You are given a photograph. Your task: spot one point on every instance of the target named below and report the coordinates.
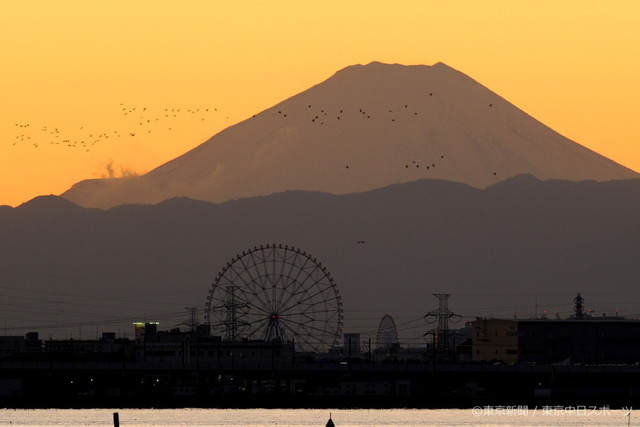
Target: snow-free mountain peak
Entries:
(366, 127)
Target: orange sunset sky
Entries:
(72, 69)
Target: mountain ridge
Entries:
(365, 127)
(492, 249)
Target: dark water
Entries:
(480, 416)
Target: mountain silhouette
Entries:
(364, 128)
(515, 248)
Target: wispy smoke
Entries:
(110, 170)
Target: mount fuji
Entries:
(366, 127)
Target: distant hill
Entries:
(513, 248)
(364, 128)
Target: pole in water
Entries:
(330, 422)
(116, 420)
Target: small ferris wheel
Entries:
(276, 293)
(387, 333)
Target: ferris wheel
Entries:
(276, 292)
(387, 336)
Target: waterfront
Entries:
(521, 416)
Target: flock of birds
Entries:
(138, 121)
(323, 116)
(147, 120)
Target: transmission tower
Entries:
(192, 321)
(442, 333)
(232, 323)
(578, 306)
(232, 319)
